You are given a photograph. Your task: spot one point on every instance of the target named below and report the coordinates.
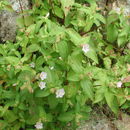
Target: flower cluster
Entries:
(43, 76)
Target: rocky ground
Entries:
(8, 24)
(106, 121)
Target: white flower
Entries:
(60, 93)
(85, 48)
(39, 125)
(15, 84)
(52, 67)
(119, 84)
(43, 75)
(32, 65)
(60, 58)
(42, 85)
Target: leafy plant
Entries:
(68, 57)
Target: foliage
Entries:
(67, 56)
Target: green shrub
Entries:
(67, 56)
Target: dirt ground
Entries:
(105, 120)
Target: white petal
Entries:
(60, 93)
(85, 48)
(43, 75)
(42, 85)
(119, 84)
(52, 67)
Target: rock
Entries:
(8, 19)
(117, 5)
(7, 26)
(98, 121)
(124, 123)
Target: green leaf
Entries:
(8, 94)
(71, 90)
(24, 41)
(63, 49)
(112, 101)
(122, 37)
(75, 61)
(72, 76)
(112, 18)
(87, 88)
(99, 95)
(10, 116)
(28, 20)
(92, 54)
(20, 22)
(89, 24)
(100, 18)
(12, 60)
(26, 75)
(2, 51)
(58, 12)
(74, 36)
(66, 117)
(81, 99)
(112, 33)
(39, 61)
(107, 62)
(42, 93)
(51, 75)
(38, 25)
(91, 2)
(33, 48)
(66, 5)
(2, 60)
(52, 101)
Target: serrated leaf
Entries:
(112, 33)
(87, 88)
(74, 36)
(63, 49)
(12, 60)
(72, 76)
(99, 94)
(75, 61)
(112, 101)
(66, 117)
(33, 48)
